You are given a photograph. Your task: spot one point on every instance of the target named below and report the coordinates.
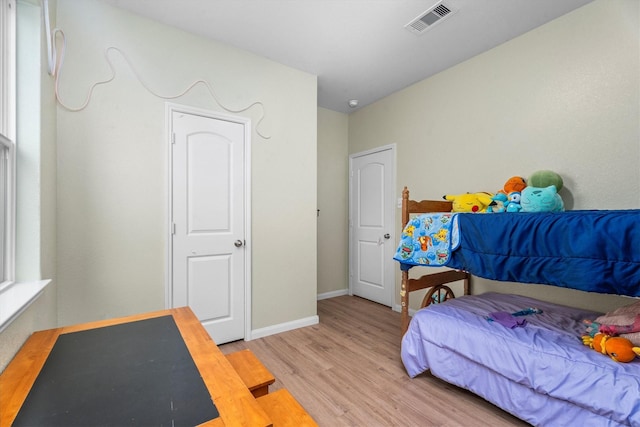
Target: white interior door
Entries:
(208, 214)
(371, 221)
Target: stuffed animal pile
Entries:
(540, 194)
(616, 334)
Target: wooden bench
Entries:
(253, 373)
(284, 410)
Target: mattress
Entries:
(540, 372)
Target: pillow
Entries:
(634, 337)
(626, 315)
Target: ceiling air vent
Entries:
(431, 17)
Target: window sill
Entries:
(15, 298)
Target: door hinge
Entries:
(173, 138)
(173, 228)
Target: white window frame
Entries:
(7, 141)
(14, 297)
(7, 215)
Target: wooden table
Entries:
(234, 401)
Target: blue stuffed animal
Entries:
(513, 204)
(538, 199)
(498, 203)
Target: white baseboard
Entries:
(398, 308)
(295, 324)
(284, 327)
(333, 294)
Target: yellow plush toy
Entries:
(469, 202)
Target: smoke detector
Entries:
(429, 18)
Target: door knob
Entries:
(238, 243)
(387, 236)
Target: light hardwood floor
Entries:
(346, 371)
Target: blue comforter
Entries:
(596, 251)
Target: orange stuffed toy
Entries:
(618, 348)
(515, 183)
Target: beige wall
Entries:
(565, 96)
(333, 189)
(112, 182)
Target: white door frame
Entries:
(392, 147)
(171, 108)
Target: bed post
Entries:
(404, 311)
(405, 207)
(404, 295)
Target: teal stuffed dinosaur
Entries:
(538, 199)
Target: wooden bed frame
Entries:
(439, 291)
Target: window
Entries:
(7, 138)
(14, 297)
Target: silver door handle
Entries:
(238, 243)
(387, 236)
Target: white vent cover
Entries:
(430, 18)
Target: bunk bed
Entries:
(522, 354)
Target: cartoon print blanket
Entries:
(428, 239)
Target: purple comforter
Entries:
(540, 372)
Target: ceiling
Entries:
(359, 49)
